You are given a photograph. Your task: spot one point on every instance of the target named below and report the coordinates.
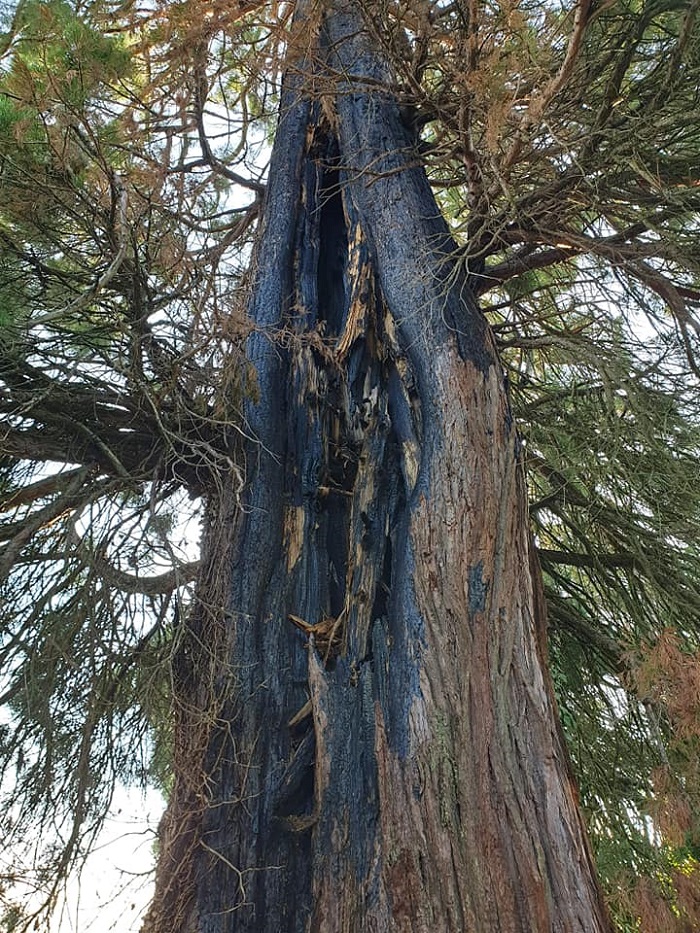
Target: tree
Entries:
(409, 765)
(363, 728)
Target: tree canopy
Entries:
(562, 142)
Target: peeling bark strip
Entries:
(382, 752)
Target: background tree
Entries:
(561, 146)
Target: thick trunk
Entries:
(367, 738)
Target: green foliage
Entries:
(132, 162)
(113, 277)
(608, 408)
(62, 57)
(50, 101)
(13, 303)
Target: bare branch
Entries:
(43, 487)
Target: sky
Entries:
(116, 883)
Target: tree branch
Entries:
(83, 300)
(148, 586)
(584, 631)
(540, 102)
(573, 559)
(43, 487)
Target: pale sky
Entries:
(116, 884)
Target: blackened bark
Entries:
(378, 746)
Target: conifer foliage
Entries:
(139, 213)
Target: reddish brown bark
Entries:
(383, 752)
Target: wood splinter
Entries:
(323, 633)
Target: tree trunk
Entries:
(366, 738)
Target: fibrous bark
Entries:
(367, 738)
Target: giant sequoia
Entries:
(375, 744)
(399, 300)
